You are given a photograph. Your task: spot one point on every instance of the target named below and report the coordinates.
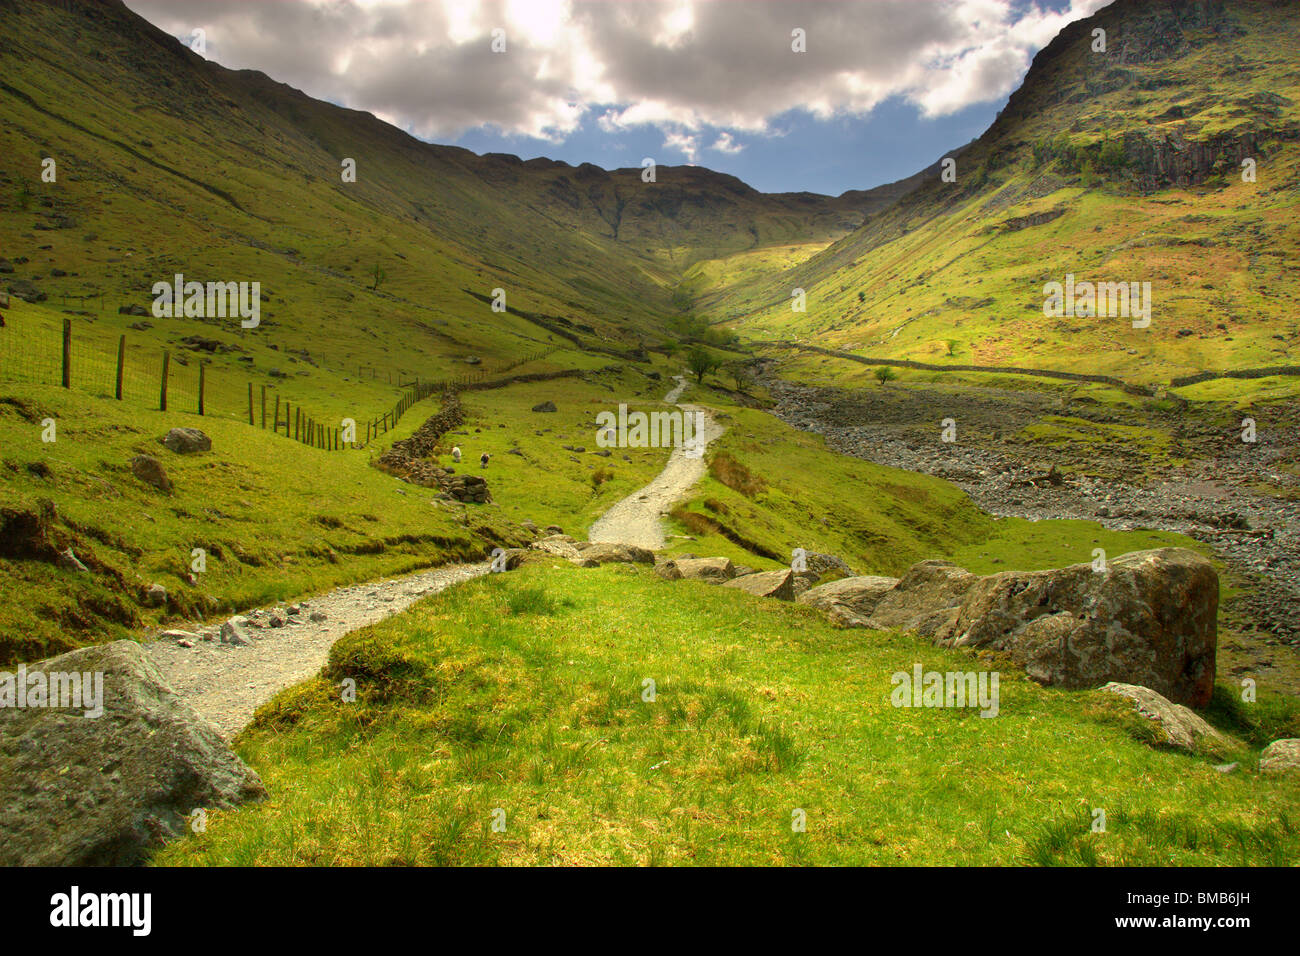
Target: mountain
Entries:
(167, 163)
(1115, 166)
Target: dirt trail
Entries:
(636, 519)
(228, 682)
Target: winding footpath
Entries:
(228, 682)
(636, 519)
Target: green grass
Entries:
(524, 693)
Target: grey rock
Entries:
(1281, 756)
(1177, 726)
(1150, 619)
(186, 441)
(771, 584)
(107, 791)
(853, 599)
(233, 632)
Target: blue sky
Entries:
(787, 95)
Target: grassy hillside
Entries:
(1120, 166)
(521, 699)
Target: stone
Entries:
(234, 632)
(151, 471)
(316, 617)
(771, 584)
(155, 595)
(561, 545)
(922, 594)
(69, 561)
(1281, 756)
(554, 529)
(184, 441)
(713, 570)
(1150, 619)
(849, 601)
(545, 407)
(108, 790)
(176, 635)
(803, 580)
(1176, 726)
(606, 553)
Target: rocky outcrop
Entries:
(770, 584)
(1175, 726)
(78, 790)
(1149, 618)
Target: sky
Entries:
(787, 95)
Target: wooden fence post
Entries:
(67, 353)
(162, 394)
(276, 426)
(121, 365)
(250, 404)
(202, 369)
(263, 406)
(297, 414)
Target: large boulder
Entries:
(713, 570)
(772, 584)
(1149, 618)
(608, 552)
(1174, 725)
(924, 599)
(78, 790)
(849, 601)
(1281, 756)
(186, 440)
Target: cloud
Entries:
(682, 66)
(726, 144)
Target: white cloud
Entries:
(679, 65)
(726, 144)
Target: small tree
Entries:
(379, 276)
(739, 375)
(952, 347)
(701, 363)
(885, 374)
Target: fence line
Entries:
(163, 378)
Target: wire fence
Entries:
(94, 362)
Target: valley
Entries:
(379, 575)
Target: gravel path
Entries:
(636, 519)
(227, 682)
